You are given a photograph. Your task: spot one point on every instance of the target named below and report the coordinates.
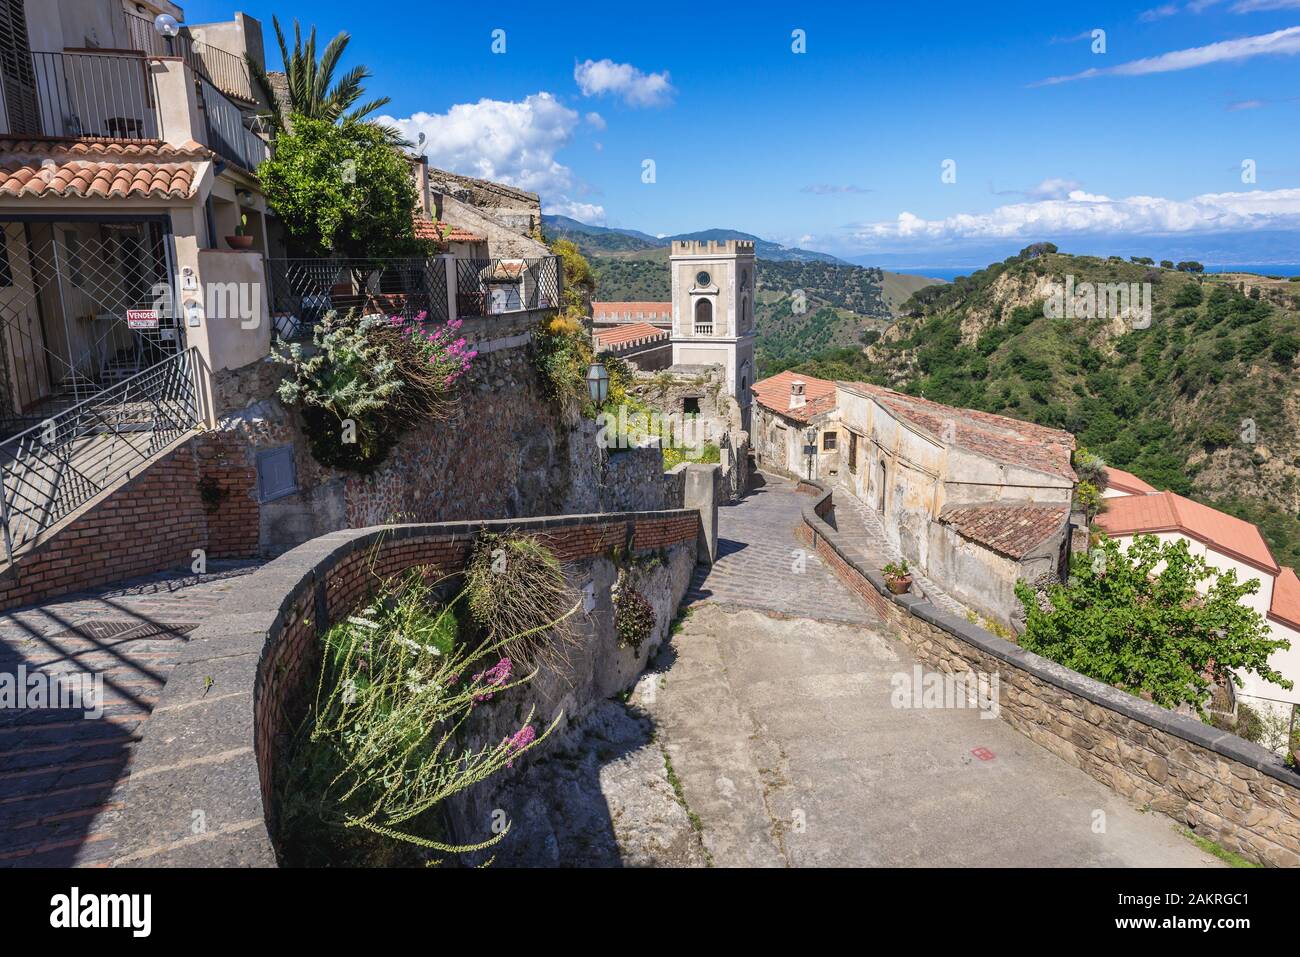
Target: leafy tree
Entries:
(1189, 265)
(1166, 264)
(342, 189)
(579, 279)
(313, 93)
(1151, 619)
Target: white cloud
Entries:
(596, 120)
(1278, 43)
(1084, 213)
(510, 141)
(599, 77)
(1245, 105)
(589, 213)
(1159, 13)
(1256, 6)
(831, 189)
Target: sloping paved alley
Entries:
(774, 705)
(61, 771)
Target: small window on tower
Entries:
(690, 406)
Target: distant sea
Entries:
(952, 272)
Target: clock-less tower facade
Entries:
(713, 310)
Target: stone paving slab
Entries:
(781, 725)
(61, 772)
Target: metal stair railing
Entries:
(57, 466)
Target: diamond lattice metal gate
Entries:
(84, 305)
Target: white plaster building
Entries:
(1225, 542)
(788, 409)
(713, 311)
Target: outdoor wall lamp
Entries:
(598, 383)
(166, 25)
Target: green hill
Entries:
(1205, 401)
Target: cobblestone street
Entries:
(60, 771)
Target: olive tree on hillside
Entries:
(1153, 618)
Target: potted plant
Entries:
(241, 239)
(898, 577)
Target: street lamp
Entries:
(168, 28)
(598, 383)
(810, 447)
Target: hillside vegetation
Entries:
(1205, 401)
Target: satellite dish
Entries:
(166, 24)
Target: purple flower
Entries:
(520, 740)
(494, 677)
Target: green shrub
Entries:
(634, 617)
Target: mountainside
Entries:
(840, 307)
(603, 240)
(1204, 401)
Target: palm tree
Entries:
(312, 90)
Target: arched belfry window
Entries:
(703, 318)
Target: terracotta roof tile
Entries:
(1008, 528)
(1122, 481)
(99, 169)
(774, 393)
(426, 228)
(631, 334)
(615, 311)
(999, 437)
(1286, 598)
(1167, 512)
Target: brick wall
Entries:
(261, 649)
(153, 522)
(1221, 786)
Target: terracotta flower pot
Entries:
(239, 242)
(899, 586)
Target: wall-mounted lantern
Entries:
(598, 383)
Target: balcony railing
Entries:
(303, 291)
(81, 94)
(226, 134)
(490, 287)
(226, 70)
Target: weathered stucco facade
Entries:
(974, 500)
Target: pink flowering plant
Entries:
(430, 358)
(389, 738)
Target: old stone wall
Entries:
(259, 652)
(507, 451)
(1221, 786)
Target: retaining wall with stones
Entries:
(247, 674)
(1223, 787)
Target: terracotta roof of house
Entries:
(998, 437)
(1167, 512)
(438, 231)
(1286, 598)
(629, 335)
(1123, 481)
(99, 168)
(606, 310)
(774, 393)
(1013, 529)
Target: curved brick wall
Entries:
(202, 775)
(1222, 786)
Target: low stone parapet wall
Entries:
(1223, 787)
(201, 791)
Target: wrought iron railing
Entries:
(225, 131)
(303, 290)
(225, 69)
(82, 94)
(54, 468)
(490, 287)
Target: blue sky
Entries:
(840, 148)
